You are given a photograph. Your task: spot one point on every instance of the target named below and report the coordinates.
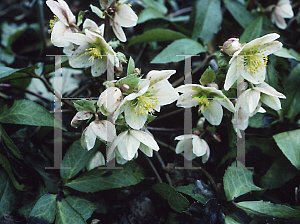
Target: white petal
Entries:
(128, 146)
(145, 138)
(251, 99)
(199, 146)
(88, 138)
(260, 41)
(257, 77)
(67, 12)
(104, 129)
(270, 48)
(62, 11)
(77, 38)
(79, 59)
(95, 161)
(184, 145)
(80, 116)
(113, 145)
(286, 9)
(205, 157)
(111, 98)
(214, 113)
(141, 90)
(135, 121)
(269, 90)
(271, 101)
(91, 25)
(186, 100)
(164, 92)
(155, 76)
(231, 75)
(57, 35)
(186, 136)
(147, 150)
(118, 30)
(126, 16)
(99, 67)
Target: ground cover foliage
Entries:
(147, 112)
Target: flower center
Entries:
(95, 52)
(253, 61)
(203, 101)
(144, 104)
(52, 23)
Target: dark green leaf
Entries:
(156, 35)
(84, 207)
(45, 208)
(98, 179)
(208, 76)
(253, 31)
(157, 5)
(177, 202)
(66, 214)
(26, 112)
(97, 11)
(131, 66)
(289, 143)
(7, 195)
(238, 181)
(178, 47)
(239, 12)
(189, 191)
(6, 71)
(76, 158)
(272, 76)
(150, 14)
(208, 19)
(85, 105)
(279, 173)
(10, 144)
(285, 53)
(291, 105)
(266, 145)
(257, 121)
(267, 208)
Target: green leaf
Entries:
(76, 158)
(238, 181)
(156, 35)
(239, 12)
(284, 53)
(26, 209)
(6, 71)
(178, 47)
(6, 165)
(295, 54)
(97, 11)
(10, 144)
(157, 5)
(131, 80)
(84, 207)
(267, 208)
(177, 202)
(272, 76)
(266, 145)
(257, 121)
(279, 173)
(131, 66)
(208, 18)
(150, 14)
(232, 219)
(80, 17)
(99, 179)
(45, 208)
(26, 112)
(291, 105)
(208, 76)
(65, 214)
(253, 31)
(7, 196)
(289, 143)
(189, 191)
(85, 105)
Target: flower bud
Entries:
(110, 99)
(197, 132)
(125, 88)
(231, 45)
(118, 70)
(200, 123)
(137, 71)
(213, 84)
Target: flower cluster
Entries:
(248, 68)
(88, 47)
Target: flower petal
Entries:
(118, 30)
(99, 67)
(146, 150)
(186, 100)
(271, 101)
(57, 35)
(88, 138)
(104, 129)
(155, 76)
(277, 18)
(145, 138)
(95, 161)
(199, 146)
(260, 41)
(112, 147)
(79, 59)
(269, 90)
(128, 146)
(126, 16)
(77, 38)
(213, 114)
(184, 145)
(205, 157)
(270, 48)
(62, 11)
(231, 75)
(79, 117)
(135, 121)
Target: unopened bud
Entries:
(125, 88)
(118, 70)
(231, 45)
(213, 84)
(200, 123)
(137, 71)
(216, 136)
(197, 132)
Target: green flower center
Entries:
(144, 104)
(254, 61)
(95, 51)
(203, 101)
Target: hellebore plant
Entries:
(250, 61)
(282, 10)
(209, 99)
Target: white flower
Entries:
(103, 129)
(80, 117)
(128, 142)
(282, 10)
(209, 99)
(124, 17)
(251, 60)
(95, 161)
(63, 23)
(93, 51)
(249, 100)
(152, 93)
(194, 146)
(109, 100)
